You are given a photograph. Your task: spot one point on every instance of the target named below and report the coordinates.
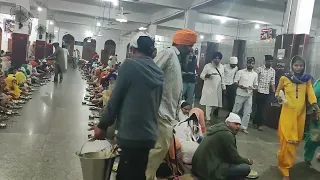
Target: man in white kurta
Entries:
(66, 54)
(214, 85)
(229, 74)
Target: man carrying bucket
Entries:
(135, 102)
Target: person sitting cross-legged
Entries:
(217, 156)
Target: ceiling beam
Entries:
(175, 4)
(170, 13)
(94, 11)
(91, 23)
(203, 28)
(276, 5)
(243, 12)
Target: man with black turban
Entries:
(266, 80)
(214, 85)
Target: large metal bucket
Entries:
(96, 165)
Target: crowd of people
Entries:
(18, 83)
(147, 104)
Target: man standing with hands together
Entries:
(247, 81)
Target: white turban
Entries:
(234, 118)
(233, 60)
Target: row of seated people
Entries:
(17, 84)
(101, 79)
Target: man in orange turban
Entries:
(169, 61)
(185, 37)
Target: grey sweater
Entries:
(135, 102)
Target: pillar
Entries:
(20, 38)
(152, 30)
(190, 19)
(298, 16)
(49, 46)
(40, 49)
(51, 26)
(239, 50)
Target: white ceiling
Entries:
(144, 12)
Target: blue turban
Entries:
(217, 54)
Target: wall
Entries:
(6, 36)
(79, 33)
(312, 58)
(163, 38)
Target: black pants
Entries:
(133, 163)
(231, 95)
(261, 100)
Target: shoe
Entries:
(3, 126)
(308, 163)
(259, 128)
(245, 131)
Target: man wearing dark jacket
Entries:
(134, 104)
(217, 157)
(189, 77)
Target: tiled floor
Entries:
(41, 144)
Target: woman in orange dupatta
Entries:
(200, 115)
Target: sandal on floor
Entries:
(4, 118)
(94, 108)
(253, 175)
(21, 102)
(3, 126)
(97, 116)
(9, 112)
(15, 107)
(91, 124)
